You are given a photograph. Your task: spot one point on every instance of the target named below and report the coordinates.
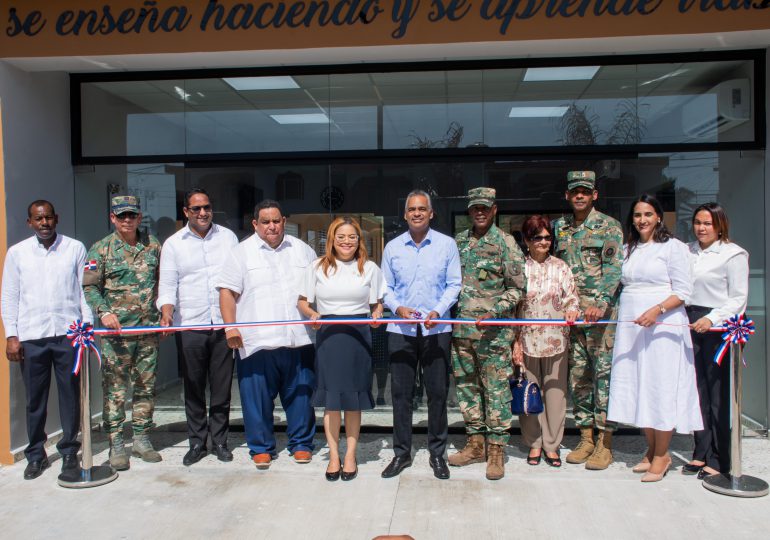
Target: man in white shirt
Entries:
(260, 280)
(187, 295)
(41, 297)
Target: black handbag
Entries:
(527, 398)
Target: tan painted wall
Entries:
(5, 389)
(35, 23)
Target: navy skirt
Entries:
(344, 366)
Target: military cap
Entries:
(124, 203)
(576, 179)
(484, 196)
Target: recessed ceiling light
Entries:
(536, 112)
(261, 83)
(575, 73)
(315, 118)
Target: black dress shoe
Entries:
(397, 464)
(689, 469)
(348, 476)
(69, 462)
(222, 452)
(334, 476)
(439, 466)
(35, 468)
(194, 455)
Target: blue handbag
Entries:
(527, 398)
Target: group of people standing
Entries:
(636, 371)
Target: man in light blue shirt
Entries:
(422, 271)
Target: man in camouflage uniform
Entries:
(492, 284)
(591, 244)
(120, 283)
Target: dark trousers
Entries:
(286, 372)
(431, 353)
(39, 356)
(712, 443)
(206, 358)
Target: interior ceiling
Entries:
(400, 88)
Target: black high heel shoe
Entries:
(333, 476)
(348, 476)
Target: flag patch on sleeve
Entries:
(90, 265)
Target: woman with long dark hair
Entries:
(343, 284)
(720, 290)
(652, 383)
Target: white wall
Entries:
(36, 140)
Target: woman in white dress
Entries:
(652, 383)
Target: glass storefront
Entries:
(355, 144)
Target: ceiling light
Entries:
(316, 118)
(575, 73)
(261, 83)
(536, 112)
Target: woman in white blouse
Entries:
(551, 294)
(652, 383)
(343, 284)
(720, 290)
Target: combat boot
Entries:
(118, 456)
(585, 447)
(602, 455)
(495, 461)
(472, 453)
(143, 448)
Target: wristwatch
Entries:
(662, 309)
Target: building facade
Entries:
(341, 107)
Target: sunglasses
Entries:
(540, 238)
(126, 215)
(197, 209)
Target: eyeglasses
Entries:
(540, 238)
(342, 237)
(197, 209)
(126, 215)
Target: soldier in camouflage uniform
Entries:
(591, 244)
(492, 284)
(120, 283)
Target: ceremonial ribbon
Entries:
(82, 337)
(738, 330)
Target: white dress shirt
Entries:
(189, 270)
(42, 291)
(345, 291)
(269, 282)
(720, 279)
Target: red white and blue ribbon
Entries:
(738, 330)
(82, 337)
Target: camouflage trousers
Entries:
(133, 361)
(481, 370)
(590, 361)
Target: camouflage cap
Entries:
(484, 196)
(576, 179)
(124, 203)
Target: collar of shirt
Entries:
(56, 243)
(409, 241)
(189, 232)
(593, 219)
(716, 247)
(261, 244)
(118, 242)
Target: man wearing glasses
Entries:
(591, 244)
(189, 267)
(120, 282)
(492, 284)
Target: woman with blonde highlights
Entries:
(343, 284)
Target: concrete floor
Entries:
(230, 500)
